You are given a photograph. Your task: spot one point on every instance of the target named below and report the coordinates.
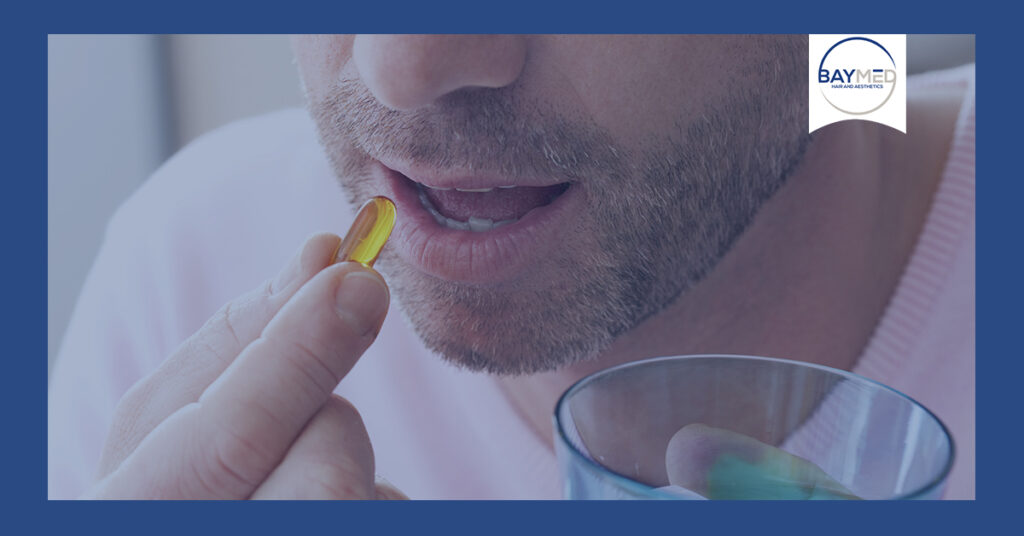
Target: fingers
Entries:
(387, 492)
(331, 459)
(203, 357)
(228, 442)
(721, 464)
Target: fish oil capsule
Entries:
(368, 233)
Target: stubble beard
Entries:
(657, 219)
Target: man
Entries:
(566, 203)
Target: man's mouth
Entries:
(484, 209)
(472, 226)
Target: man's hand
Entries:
(244, 408)
(721, 464)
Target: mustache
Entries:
(481, 129)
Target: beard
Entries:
(660, 213)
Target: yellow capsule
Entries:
(368, 233)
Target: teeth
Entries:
(476, 225)
(479, 225)
(455, 224)
(425, 201)
(472, 190)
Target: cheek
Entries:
(641, 88)
(633, 87)
(321, 59)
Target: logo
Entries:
(857, 77)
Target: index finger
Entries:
(204, 356)
(225, 444)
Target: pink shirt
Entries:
(226, 213)
(924, 343)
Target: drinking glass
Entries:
(613, 427)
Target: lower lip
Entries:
(486, 257)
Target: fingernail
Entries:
(362, 300)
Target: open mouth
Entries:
(484, 209)
(475, 227)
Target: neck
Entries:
(807, 281)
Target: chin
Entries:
(507, 353)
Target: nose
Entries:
(406, 72)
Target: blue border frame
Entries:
(998, 291)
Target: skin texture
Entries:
(713, 224)
(243, 408)
(669, 181)
(807, 277)
(720, 464)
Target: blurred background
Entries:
(119, 105)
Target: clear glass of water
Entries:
(613, 429)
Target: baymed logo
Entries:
(854, 90)
(857, 77)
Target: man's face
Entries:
(634, 161)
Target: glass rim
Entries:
(638, 487)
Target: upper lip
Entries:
(463, 179)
